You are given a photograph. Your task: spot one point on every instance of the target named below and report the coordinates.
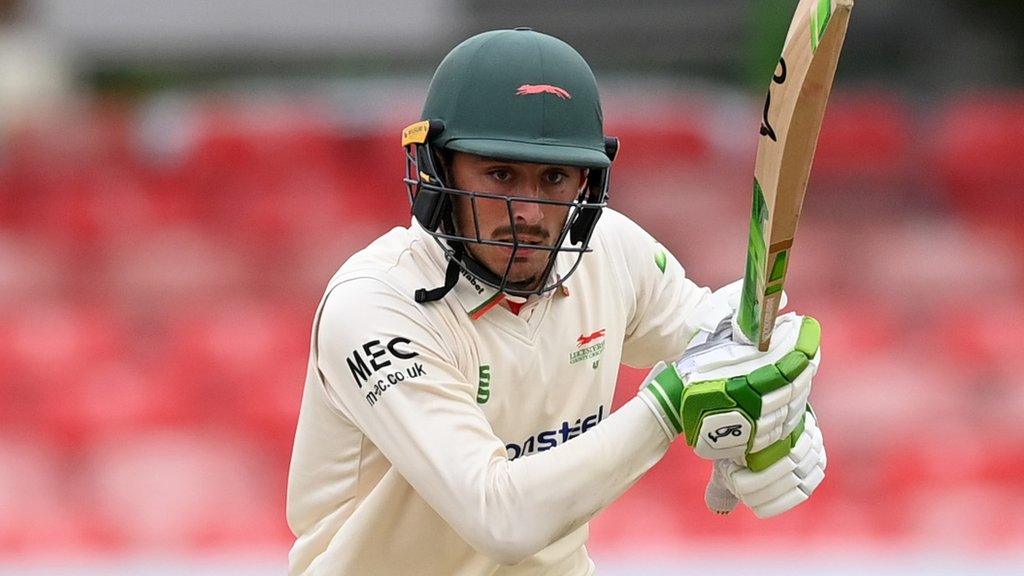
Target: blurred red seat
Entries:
(37, 504)
(234, 134)
(666, 133)
(263, 173)
(51, 348)
(115, 398)
(638, 522)
(183, 490)
(864, 135)
(977, 332)
(175, 270)
(54, 339)
(244, 359)
(31, 269)
(372, 168)
(979, 146)
(53, 162)
(273, 213)
(853, 325)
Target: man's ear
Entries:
(585, 172)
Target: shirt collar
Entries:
(475, 297)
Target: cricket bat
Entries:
(793, 110)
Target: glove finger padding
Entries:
(777, 488)
(782, 409)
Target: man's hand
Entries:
(781, 486)
(734, 402)
(745, 409)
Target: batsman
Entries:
(456, 418)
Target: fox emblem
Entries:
(583, 340)
(527, 89)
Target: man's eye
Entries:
(501, 175)
(556, 177)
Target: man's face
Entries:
(535, 223)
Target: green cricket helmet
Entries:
(516, 95)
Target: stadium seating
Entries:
(160, 265)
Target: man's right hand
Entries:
(774, 490)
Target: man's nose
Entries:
(526, 210)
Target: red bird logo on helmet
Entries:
(527, 89)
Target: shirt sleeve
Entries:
(661, 321)
(385, 367)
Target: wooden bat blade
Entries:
(793, 111)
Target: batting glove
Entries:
(732, 401)
(778, 488)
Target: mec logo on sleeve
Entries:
(375, 355)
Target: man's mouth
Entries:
(522, 249)
(521, 252)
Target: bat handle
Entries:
(738, 336)
(768, 315)
(763, 328)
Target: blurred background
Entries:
(179, 180)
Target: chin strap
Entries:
(451, 277)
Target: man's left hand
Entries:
(731, 400)
(745, 409)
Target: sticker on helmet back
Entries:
(416, 133)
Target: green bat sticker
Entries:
(750, 304)
(820, 22)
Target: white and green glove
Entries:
(781, 486)
(735, 403)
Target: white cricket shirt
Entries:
(456, 438)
